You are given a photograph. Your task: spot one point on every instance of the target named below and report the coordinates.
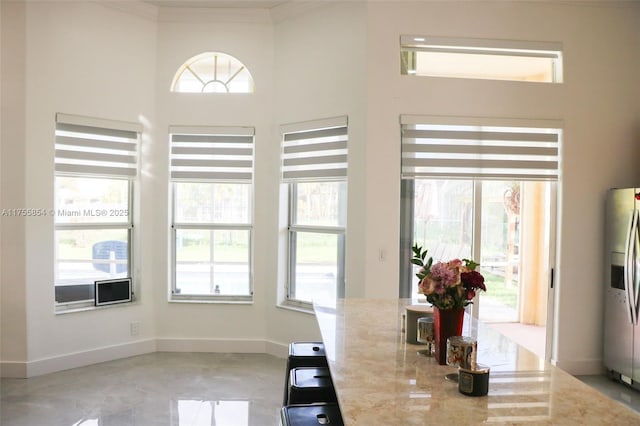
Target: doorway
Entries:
(505, 225)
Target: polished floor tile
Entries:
(177, 389)
(620, 392)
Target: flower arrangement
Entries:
(447, 285)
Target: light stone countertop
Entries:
(380, 379)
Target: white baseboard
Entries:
(583, 367)
(276, 349)
(221, 346)
(15, 369)
(76, 359)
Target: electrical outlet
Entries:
(134, 327)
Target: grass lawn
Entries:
(496, 289)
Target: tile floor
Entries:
(177, 389)
(615, 390)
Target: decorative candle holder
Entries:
(461, 352)
(425, 335)
(474, 382)
(413, 313)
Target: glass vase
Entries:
(446, 323)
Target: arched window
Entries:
(212, 72)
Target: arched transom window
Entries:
(212, 72)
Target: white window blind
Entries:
(90, 146)
(448, 148)
(315, 150)
(212, 153)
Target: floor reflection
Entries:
(158, 389)
(211, 413)
(87, 422)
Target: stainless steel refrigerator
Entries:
(622, 282)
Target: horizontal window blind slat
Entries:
(322, 146)
(94, 157)
(210, 164)
(416, 150)
(212, 130)
(211, 139)
(197, 151)
(101, 123)
(316, 134)
(95, 170)
(323, 174)
(128, 145)
(211, 176)
(315, 160)
(480, 135)
(324, 123)
(411, 121)
(504, 175)
(116, 133)
(480, 164)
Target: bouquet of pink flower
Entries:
(447, 285)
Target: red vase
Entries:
(446, 323)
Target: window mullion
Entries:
(212, 226)
(90, 226)
(317, 229)
(292, 242)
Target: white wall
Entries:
(246, 35)
(598, 104)
(319, 68)
(88, 59)
(338, 58)
(13, 345)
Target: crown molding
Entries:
(208, 15)
(292, 9)
(136, 8)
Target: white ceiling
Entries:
(230, 4)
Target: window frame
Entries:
(293, 228)
(477, 46)
(211, 226)
(215, 67)
(311, 151)
(67, 167)
(175, 226)
(128, 226)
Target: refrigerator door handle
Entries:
(629, 266)
(636, 272)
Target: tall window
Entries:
(212, 176)
(484, 189)
(213, 72)
(96, 164)
(314, 165)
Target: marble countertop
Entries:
(381, 380)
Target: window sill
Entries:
(58, 310)
(211, 301)
(288, 306)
